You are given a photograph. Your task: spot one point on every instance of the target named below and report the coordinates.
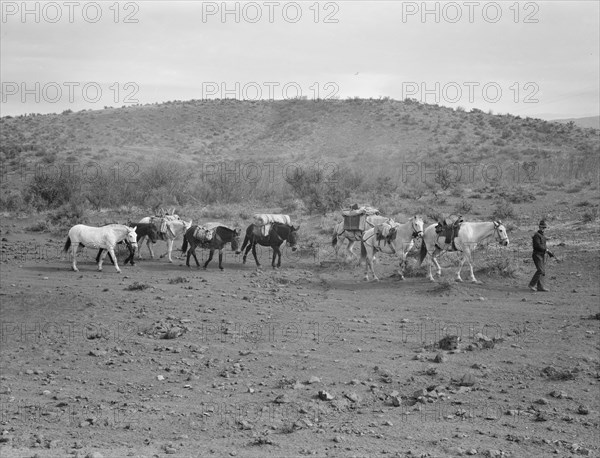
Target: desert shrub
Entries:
(518, 195)
(585, 203)
(499, 266)
(40, 226)
(69, 214)
(135, 286)
(11, 200)
(52, 190)
(503, 210)
(319, 193)
(444, 178)
(463, 207)
(590, 215)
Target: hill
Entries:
(590, 122)
(171, 148)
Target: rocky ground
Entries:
(307, 360)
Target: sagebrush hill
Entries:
(369, 140)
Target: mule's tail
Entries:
(246, 241)
(67, 244)
(363, 253)
(184, 245)
(334, 238)
(422, 253)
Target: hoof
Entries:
(119, 271)
(458, 280)
(74, 269)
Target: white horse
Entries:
(469, 235)
(175, 227)
(105, 237)
(340, 234)
(391, 238)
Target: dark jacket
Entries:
(539, 244)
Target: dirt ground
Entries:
(308, 360)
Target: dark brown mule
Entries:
(222, 235)
(278, 234)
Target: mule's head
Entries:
(501, 234)
(153, 233)
(186, 225)
(417, 224)
(292, 239)
(132, 236)
(235, 241)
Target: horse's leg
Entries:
(221, 259)
(254, 254)
(248, 248)
(367, 258)
(402, 265)
(74, 248)
(191, 251)
(436, 252)
(275, 249)
(461, 261)
(432, 254)
(111, 252)
(169, 250)
(369, 265)
(350, 254)
(102, 259)
(140, 244)
(195, 257)
(468, 258)
(210, 256)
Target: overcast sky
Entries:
(537, 59)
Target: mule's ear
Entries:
(134, 228)
(296, 227)
(237, 231)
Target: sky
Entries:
(537, 59)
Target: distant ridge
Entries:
(590, 121)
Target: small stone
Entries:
(440, 358)
(583, 410)
(467, 380)
(325, 396)
(396, 401)
(541, 401)
(94, 455)
(352, 396)
(472, 451)
(338, 439)
(492, 453)
(160, 377)
(98, 352)
(282, 399)
(419, 393)
(314, 379)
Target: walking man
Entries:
(539, 258)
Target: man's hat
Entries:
(543, 223)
